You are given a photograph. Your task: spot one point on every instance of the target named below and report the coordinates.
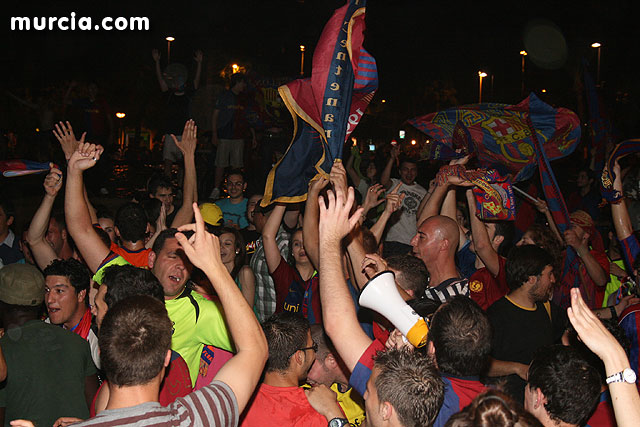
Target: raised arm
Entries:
(269, 232)
(243, 370)
(156, 57)
(619, 212)
(198, 59)
(43, 253)
(338, 311)
(394, 202)
(481, 243)
(355, 178)
(578, 239)
(188, 148)
(310, 220)
(624, 396)
(91, 247)
(385, 178)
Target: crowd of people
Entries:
(216, 310)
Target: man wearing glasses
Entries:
(234, 207)
(280, 400)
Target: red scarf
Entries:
(84, 325)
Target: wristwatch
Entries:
(626, 376)
(338, 422)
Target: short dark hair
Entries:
(235, 171)
(79, 276)
(131, 221)
(413, 273)
(7, 206)
(407, 159)
(525, 261)
(325, 346)
(411, 383)
(559, 372)
(169, 233)
(493, 408)
(286, 333)
(235, 79)
(103, 212)
(461, 334)
(158, 181)
(124, 281)
(506, 229)
(152, 208)
(134, 338)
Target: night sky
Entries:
(415, 43)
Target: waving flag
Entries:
(11, 168)
(599, 124)
(625, 148)
(327, 107)
(502, 135)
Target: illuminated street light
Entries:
(234, 68)
(302, 60)
(120, 115)
(481, 74)
(523, 53)
(597, 45)
(169, 39)
(413, 142)
(383, 101)
(544, 91)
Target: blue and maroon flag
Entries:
(327, 107)
(11, 168)
(501, 135)
(599, 125)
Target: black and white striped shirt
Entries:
(448, 289)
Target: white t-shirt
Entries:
(403, 223)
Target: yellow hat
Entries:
(211, 214)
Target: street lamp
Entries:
(302, 60)
(234, 68)
(121, 130)
(481, 74)
(597, 45)
(169, 40)
(523, 53)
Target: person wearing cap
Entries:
(211, 214)
(50, 370)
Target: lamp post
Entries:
(169, 40)
(302, 60)
(481, 74)
(523, 53)
(597, 45)
(121, 131)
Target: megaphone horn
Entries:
(381, 295)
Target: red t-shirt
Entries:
(296, 295)
(485, 288)
(281, 406)
(138, 258)
(176, 383)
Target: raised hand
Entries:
(316, 186)
(155, 55)
(202, 248)
(577, 238)
(373, 264)
(338, 177)
(85, 156)
(189, 138)
(394, 200)
(541, 205)
(67, 139)
(372, 199)
(335, 222)
(53, 181)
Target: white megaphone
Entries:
(381, 295)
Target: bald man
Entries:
(435, 244)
